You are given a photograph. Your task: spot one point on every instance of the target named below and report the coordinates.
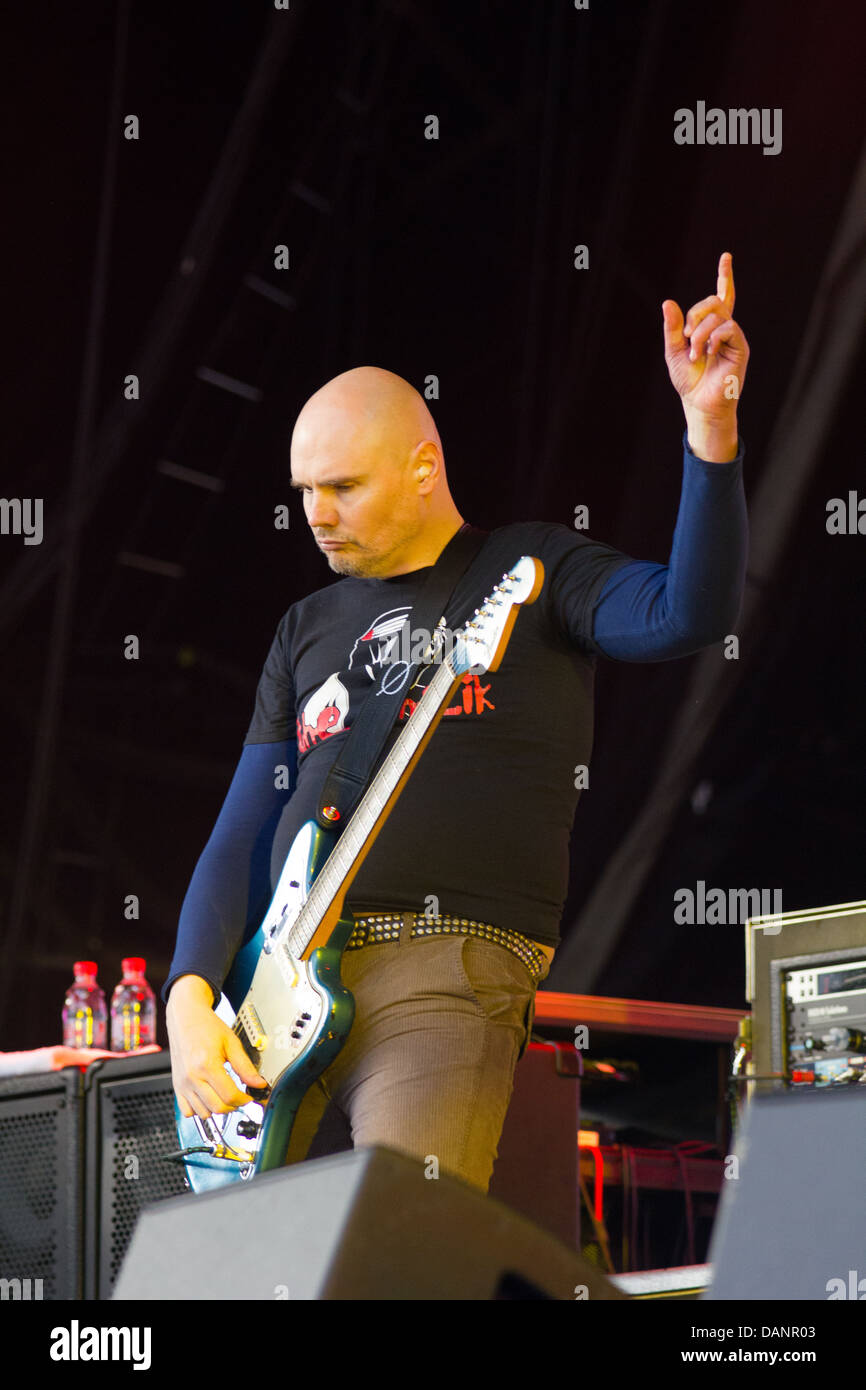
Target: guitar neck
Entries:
(373, 809)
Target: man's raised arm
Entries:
(652, 612)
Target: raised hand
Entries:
(706, 356)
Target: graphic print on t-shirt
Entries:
(326, 710)
(470, 697)
(323, 714)
(375, 650)
(375, 646)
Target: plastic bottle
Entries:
(133, 1008)
(84, 1012)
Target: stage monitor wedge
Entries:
(362, 1225)
(792, 1223)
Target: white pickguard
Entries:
(283, 1008)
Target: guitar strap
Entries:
(369, 733)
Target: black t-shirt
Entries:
(482, 827)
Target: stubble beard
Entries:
(368, 564)
(352, 567)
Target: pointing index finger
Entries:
(725, 281)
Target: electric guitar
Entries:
(283, 996)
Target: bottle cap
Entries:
(85, 967)
(134, 964)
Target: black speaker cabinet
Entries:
(363, 1225)
(81, 1155)
(129, 1129)
(41, 1191)
(536, 1171)
(792, 1224)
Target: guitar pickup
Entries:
(253, 1035)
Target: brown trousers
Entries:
(428, 1068)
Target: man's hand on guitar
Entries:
(200, 1045)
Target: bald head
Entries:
(367, 455)
(365, 410)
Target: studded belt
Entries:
(390, 926)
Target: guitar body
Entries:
(283, 996)
(293, 1016)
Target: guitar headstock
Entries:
(481, 643)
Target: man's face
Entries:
(361, 509)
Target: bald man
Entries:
(479, 841)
